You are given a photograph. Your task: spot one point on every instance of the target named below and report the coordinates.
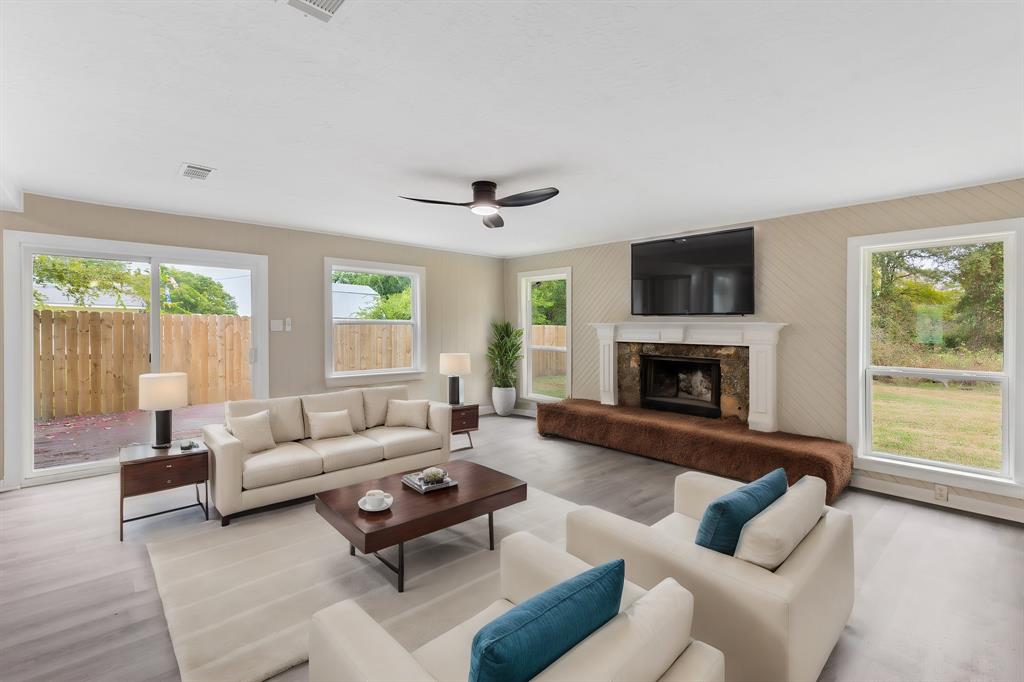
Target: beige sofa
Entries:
(771, 625)
(346, 644)
(299, 466)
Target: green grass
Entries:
(552, 385)
(959, 424)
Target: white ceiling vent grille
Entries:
(321, 9)
(194, 171)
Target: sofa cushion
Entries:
(638, 645)
(254, 431)
(375, 402)
(447, 656)
(407, 413)
(285, 415)
(346, 452)
(399, 441)
(286, 462)
(329, 424)
(725, 517)
(770, 537)
(351, 400)
(523, 641)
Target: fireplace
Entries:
(681, 384)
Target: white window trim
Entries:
(375, 376)
(859, 249)
(17, 277)
(525, 317)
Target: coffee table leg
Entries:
(351, 549)
(401, 567)
(490, 527)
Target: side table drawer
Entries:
(149, 477)
(465, 420)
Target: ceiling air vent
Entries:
(321, 9)
(194, 171)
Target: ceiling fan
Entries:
(484, 204)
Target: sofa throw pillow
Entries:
(254, 431)
(329, 424)
(725, 517)
(407, 413)
(532, 635)
(375, 402)
(770, 537)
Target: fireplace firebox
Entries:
(681, 384)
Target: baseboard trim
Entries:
(486, 409)
(927, 496)
(525, 413)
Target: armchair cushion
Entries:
(375, 402)
(399, 441)
(725, 517)
(638, 644)
(254, 431)
(286, 462)
(407, 413)
(518, 645)
(770, 537)
(351, 400)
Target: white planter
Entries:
(504, 400)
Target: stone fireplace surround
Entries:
(759, 339)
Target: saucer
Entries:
(387, 498)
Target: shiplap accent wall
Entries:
(800, 280)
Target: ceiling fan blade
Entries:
(435, 201)
(534, 196)
(493, 221)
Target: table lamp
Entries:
(454, 365)
(161, 393)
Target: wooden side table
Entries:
(145, 469)
(465, 418)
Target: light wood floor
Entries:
(940, 595)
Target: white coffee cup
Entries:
(375, 499)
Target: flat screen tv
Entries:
(701, 274)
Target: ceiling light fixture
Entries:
(483, 209)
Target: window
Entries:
(933, 379)
(374, 319)
(546, 310)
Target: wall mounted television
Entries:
(699, 274)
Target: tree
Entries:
(84, 280)
(979, 311)
(547, 298)
(384, 285)
(394, 307)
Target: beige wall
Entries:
(800, 280)
(457, 316)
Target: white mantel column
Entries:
(608, 368)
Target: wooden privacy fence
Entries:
(545, 362)
(372, 346)
(88, 362)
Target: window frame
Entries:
(526, 279)
(860, 370)
(418, 276)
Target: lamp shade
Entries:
(455, 364)
(163, 391)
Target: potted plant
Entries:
(503, 354)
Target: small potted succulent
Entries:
(434, 475)
(503, 355)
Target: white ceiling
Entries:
(651, 117)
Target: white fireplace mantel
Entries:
(761, 337)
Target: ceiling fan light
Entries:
(484, 209)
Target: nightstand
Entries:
(145, 469)
(465, 418)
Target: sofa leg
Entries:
(225, 521)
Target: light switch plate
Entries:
(277, 325)
(287, 324)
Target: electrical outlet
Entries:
(941, 492)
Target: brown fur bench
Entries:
(725, 447)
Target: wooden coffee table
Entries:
(412, 515)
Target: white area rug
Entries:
(238, 600)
